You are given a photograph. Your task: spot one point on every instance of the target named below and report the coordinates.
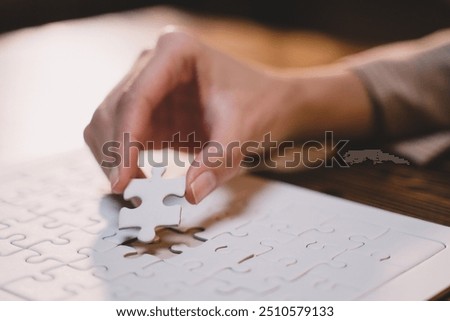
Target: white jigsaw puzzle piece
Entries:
(252, 275)
(17, 266)
(363, 272)
(7, 246)
(10, 212)
(83, 293)
(108, 229)
(118, 237)
(152, 212)
(210, 257)
(69, 252)
(300, 256)
(152, 282)
(201, 291)
(35, 231)
(53, 284)
(398, 248)
(7, 296)
(116, 262)
(312, 287)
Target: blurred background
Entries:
(366, 21)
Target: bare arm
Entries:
(394, 90)
(185, 86)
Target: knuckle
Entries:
(174, 37)
(145, 53)
(87, 134)
(98, 121)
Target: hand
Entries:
(184, 86)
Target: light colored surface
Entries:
(312, 247)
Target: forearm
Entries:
(408, 85)
(332, 99)
(336, 102)
(412, 93)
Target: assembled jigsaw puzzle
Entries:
(63, 237)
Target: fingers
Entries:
(170, 65)
(100, 130)
(215, 165)
(122, 125)
(121, 175)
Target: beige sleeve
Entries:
(409, 85)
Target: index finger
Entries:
(171, 64)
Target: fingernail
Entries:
(203, 185)
(114, 178)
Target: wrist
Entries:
(288, 115)
(330, 100)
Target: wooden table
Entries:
(414, 191)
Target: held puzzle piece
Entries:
(152, 212)
(252, 239)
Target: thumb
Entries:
(214, 165)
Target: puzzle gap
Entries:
(165, 242)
